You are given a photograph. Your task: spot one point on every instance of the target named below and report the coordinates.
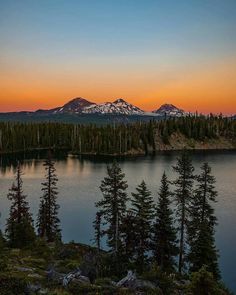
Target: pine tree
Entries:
(142, 208)
(19, 228)
(113, 205)
(128, 235)
(183, 197)
(48, 221)
(202, 222)
(97, 229)
(164, 236)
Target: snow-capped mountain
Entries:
(82, 106)
(169, 110)
(119, 106)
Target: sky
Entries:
(148, 52)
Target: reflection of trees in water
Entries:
(8, 162)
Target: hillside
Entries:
(74, 269)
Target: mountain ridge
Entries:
(81, 105)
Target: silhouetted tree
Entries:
(113, 205)
(183, 196)
(48, 221)
(97, 229)
(19, 228)
(142, 208)
(202, 222)
(164, 235)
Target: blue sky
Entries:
(131, 35)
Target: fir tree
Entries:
(128, 234)
(97, 229)
(113, 205)
(48, 221)
(19, 228)
(183, 197)
(164, 237)
(142, 208)
(202, 223)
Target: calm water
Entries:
(79, 179)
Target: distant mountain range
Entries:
(80, 105)
(80, 110)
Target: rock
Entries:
(35, 275)
(24, 269)
(131, 282)
(127, 281)
(75, 277)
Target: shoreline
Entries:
(128, 154)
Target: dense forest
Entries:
(167, 247)
(132, 138)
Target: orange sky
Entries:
(211, 88)
(180, 52)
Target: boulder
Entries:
(75, 277)
(132, 282)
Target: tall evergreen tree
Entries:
(19, 228)
(113, 205)
(48, 221)
(142, 208)
(202, 222)
(164, 236)
(97, 229)
(183, 196)
(128, 235)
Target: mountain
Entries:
(74, 106)
(82, 106)
(80, 110)
(169, 110)
(119, 106)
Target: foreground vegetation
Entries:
(164, 251)
(191, 132)
(37, 270)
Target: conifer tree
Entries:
(142, 208)
(97, 229)
(113, 205)
(48, 221)
(183, 197)
(19, 228)
(164, 235)
(128, 235)
(202, 222)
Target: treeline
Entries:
(141, 234)
(114, 138)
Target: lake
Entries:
(80, 177)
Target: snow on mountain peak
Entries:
(119, 106)
(169, 110)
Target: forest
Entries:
(116, 139)
(167, 247)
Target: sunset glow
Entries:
(184, 53)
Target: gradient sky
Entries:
(148, 52)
